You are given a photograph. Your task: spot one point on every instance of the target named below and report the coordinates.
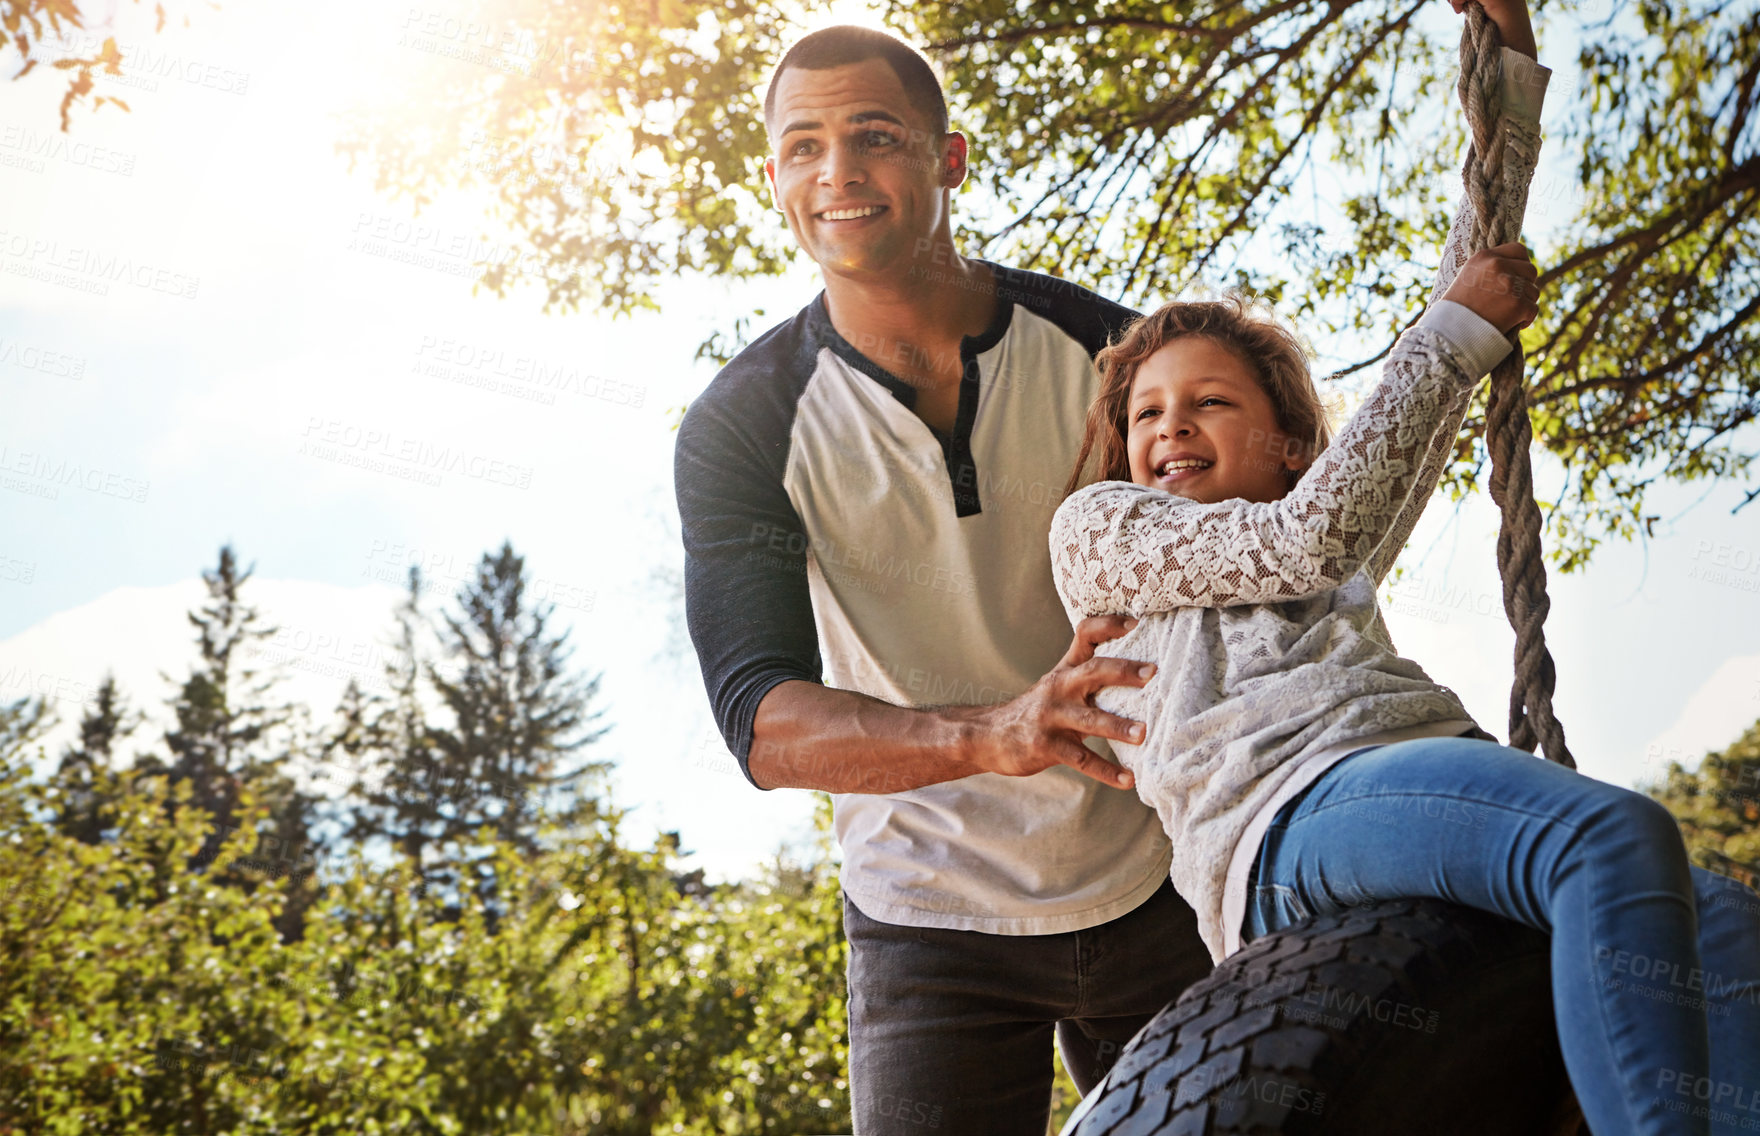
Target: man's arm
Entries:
(751, 621)
(745, 562)
(812, 737)
(809, 736)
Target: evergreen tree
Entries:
(495, 746)
(230, 735)
(1718, 807)
(517, 712)
(387, 743)
(105, 723)
(23, 722)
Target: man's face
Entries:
(860, 173)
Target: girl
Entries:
(1301, 765)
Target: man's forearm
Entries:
(808, 736)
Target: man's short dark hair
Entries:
(848, 43)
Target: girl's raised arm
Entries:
(1121, 547)
(1524, 90)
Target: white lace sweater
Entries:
(1273, 658)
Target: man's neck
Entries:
(912, 324)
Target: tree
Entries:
(517, 711)
(24, 22)
(23, 722)
(389, 743)
(231, 738)
(133, 1003)
(106, 722)
(1140, 149)
(510, 716)
(1718, 806)
(582, 985)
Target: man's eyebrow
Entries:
(858, 119)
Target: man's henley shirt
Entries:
(831, 535)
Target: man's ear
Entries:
(953, 160)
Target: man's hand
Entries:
(1511, 18)
(1500, 285)
(1044, 725)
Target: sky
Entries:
(211, 331)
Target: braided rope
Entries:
(1508, 431)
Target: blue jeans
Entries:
(1655, 964)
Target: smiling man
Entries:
(866, 495)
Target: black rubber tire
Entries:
(1404, 1017)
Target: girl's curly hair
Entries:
(1245, 326)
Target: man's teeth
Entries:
(1168, 467)
(852, 214)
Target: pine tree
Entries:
(517, 711)
(387, 744)
(105, 723)
(497, 748)
(23, 722)
(229, 737)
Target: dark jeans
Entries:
(951, 1031)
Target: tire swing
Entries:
(1405, 1016)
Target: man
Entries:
(878, 476)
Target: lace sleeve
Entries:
(1524, 87)
(1121, 547)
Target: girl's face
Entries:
(1202, 428)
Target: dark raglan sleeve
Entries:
(1085, 316)
(745, 572)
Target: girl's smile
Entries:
(1201, 427)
